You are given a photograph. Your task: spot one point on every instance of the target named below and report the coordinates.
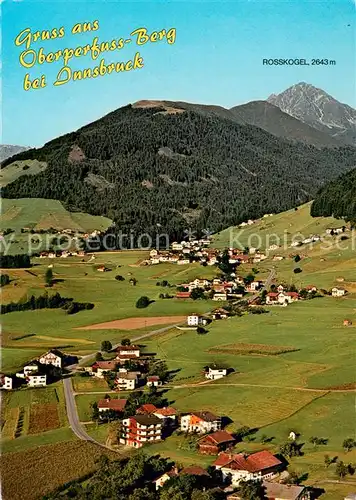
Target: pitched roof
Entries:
(217, 437)
(194, 470)
(105, 365)
(146, 408)
(253, 463)
(128, 348)
(166, 412)
(285, 491)
(146, 419)
(183, 295)
(126, 376)
(112, 404)
(207, 416)
(153, 378)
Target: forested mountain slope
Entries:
(338, 198)
(164, 169)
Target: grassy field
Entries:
(37, 472)
(20, 167)
(42, 214)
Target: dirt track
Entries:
(134, 323)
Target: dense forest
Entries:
(14, 261)
(338, 198)
(155, 172)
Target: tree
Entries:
(95, 411)
(119, 278)
(4, 279)
(241, 432)
(142, 302)
(297, 270)
(98, 356)
(252, 490)
(297, 258)
(291, 449)
(201, 330)
(197, 293)
(125, 342)
(316, 441)
(327, 460)
(49, 277)
(348, 444)
(341, 469)
(106, 345)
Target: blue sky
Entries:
(216, 58)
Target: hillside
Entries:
(162, 169)
(338, 198)
(272, 119)
(318, 109)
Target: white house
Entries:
(27, 370)
(159, 482)
(196, 320)
(220, 296)
(338, 292)
(215, 373)
(168, 415)
(36, 380)
(5, 382)
(129, 350)
(183, 262)
(177, 246)
(258, 466)
(153, 381)
(126, 381)
(51, 358)
(201, 422)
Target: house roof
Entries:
(194, 470)
(285, 491)
(272, 294)
(292, 294)
(128, 348)
(171, 473)
(146, 419)
(127, 376)
(207, 416)
(253, 463)
(217, 437)
(146, 408)
(166, 412)
(112, 404)
(153, 378)
(105, 365)
(183, 295)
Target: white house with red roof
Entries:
(258, 466)
(5, 382)
(153, 381)
(128, 350)
(168, 415)
(117, 405)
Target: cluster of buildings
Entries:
(62, 254)
(35, 373)
(219, 289)
(126, 379)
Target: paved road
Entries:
(72, 413)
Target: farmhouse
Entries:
(52, 357)
(214, 373)
(146, 409)
(27, 370)
(214, 443)
(220, 313)
(153, 381)
(260, 465)
(5, 382)
(338, 292)
(99, 368)
(126, 381)
(159, 482)
(220, 296)
(117, 405)
(182, 295)
(141, 429)
(129, 350)
(201, 422)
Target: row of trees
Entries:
(15, 261)
(46, 301)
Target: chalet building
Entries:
(201, 422)
(255, 285)
(126, 381)
(99, 368)
(141, 429)
(277, 491)
(338, 292)
(281, 298)
(117, 405)
(5, 382)
(220, 313)
(258, 466)
(146, 409)
(196, 320)
(220, 296)
(163, 478)
(168, 415)
(311, 288)
(52, 357)
(129, 350)
(213, 444)
(153, 381)
(214, 373)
